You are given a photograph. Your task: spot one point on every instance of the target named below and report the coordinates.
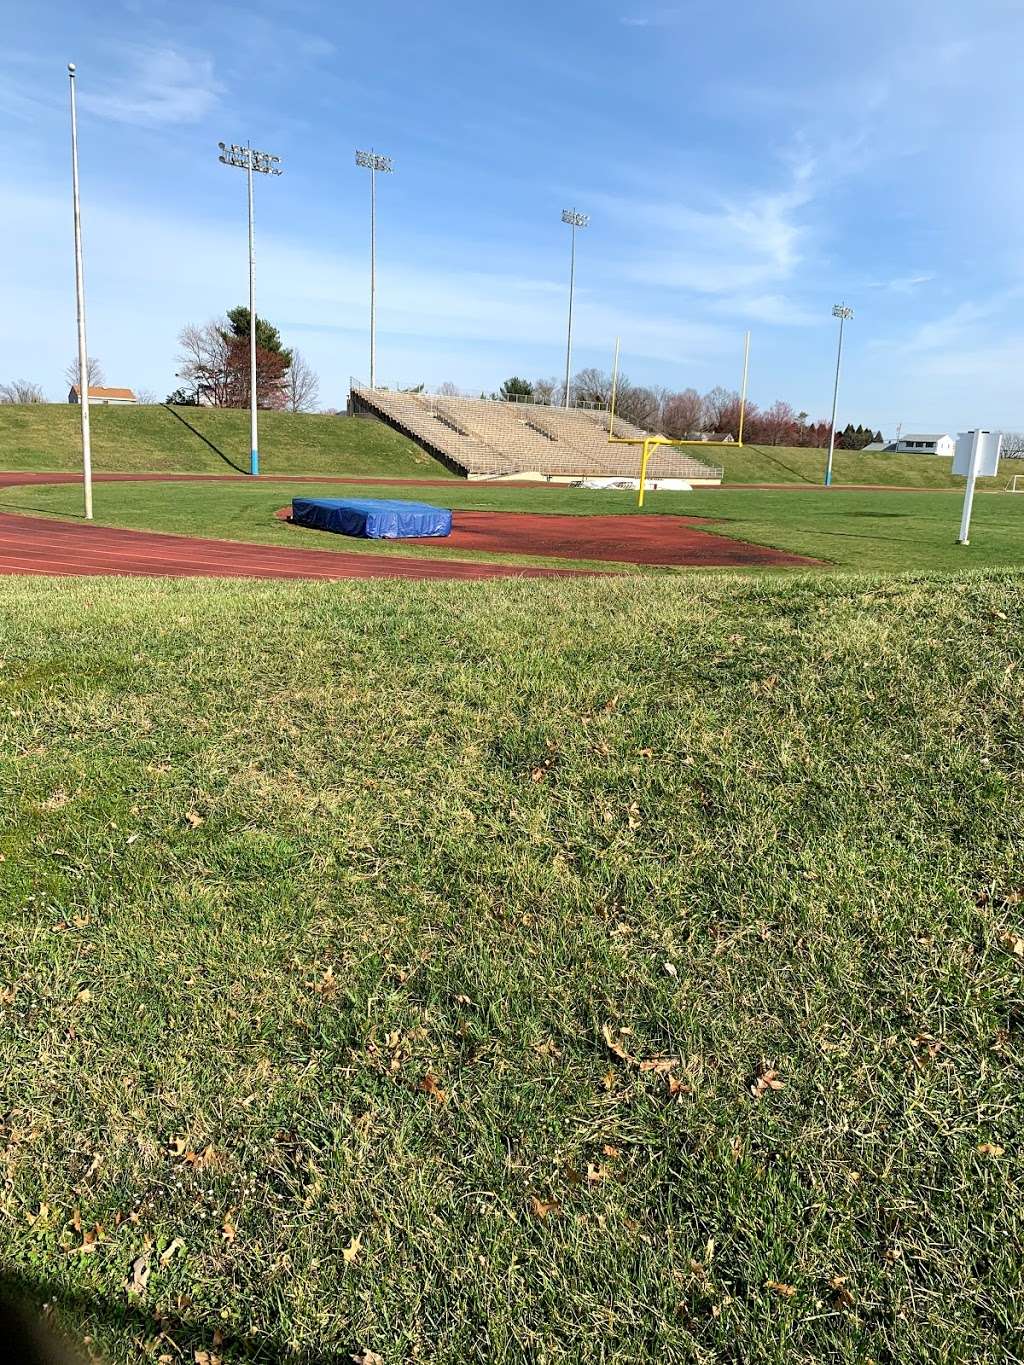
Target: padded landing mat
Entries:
(372, 518)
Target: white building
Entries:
(115, 397)
(930, 443)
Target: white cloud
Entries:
(162, 85)
(656, 19)
(903, 284)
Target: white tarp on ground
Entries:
(665, 485)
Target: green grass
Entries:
(47, 436)
(851, 530)
(797, 464)
(381, 918)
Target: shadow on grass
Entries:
(774, 459)
(47, 1325)
(9, 506)
(205, 440)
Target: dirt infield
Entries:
(668, 541)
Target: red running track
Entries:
(36, 545)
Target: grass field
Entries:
(851, 530)
(621, 971)
(206, 441)
(46, 436)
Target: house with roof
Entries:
(97, 395)
(926, 443)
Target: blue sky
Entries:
(744, 165)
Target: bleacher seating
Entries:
(488, 439)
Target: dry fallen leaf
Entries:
(609, 1150)
(990, 1149)
(228, 1230)
(140, 1272)
(548, 1049)
(1013, 942)
(194, 819)
(612, 1043)
(349, 1253)
(765, 1082)
(177, 1146)
(206, 1358)
(785, 1291)
(542, 1208)
(608, 1079)
(366, 1357)
(595, 1174)
(169, 1251)
(660, 1065)
(843, 1296)
(431, 1086)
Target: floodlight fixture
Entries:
(575, 220)
(373, 162)
(843, 312)
(248, 159)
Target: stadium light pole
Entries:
(83, 349)
(250, 160)
(843, 313)
(373, 163)
(575, 220)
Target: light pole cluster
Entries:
(249, 160)
(373, 163)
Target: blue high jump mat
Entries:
(372, 518)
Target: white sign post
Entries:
(977, 456)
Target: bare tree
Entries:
(1013, 445)
(545, 390)
(719, 406)
(301, 385)
(636, 404)
(21, 391)
(591, 386)
(146, 396)
(203, 361)
(448, 389)
(775, 426)
(73, 374)
(683, 413)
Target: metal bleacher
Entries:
(490, 439)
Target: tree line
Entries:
(687, 413)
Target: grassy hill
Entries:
(206, 440)
(797, 464)
(216, 441)
(612, 970)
